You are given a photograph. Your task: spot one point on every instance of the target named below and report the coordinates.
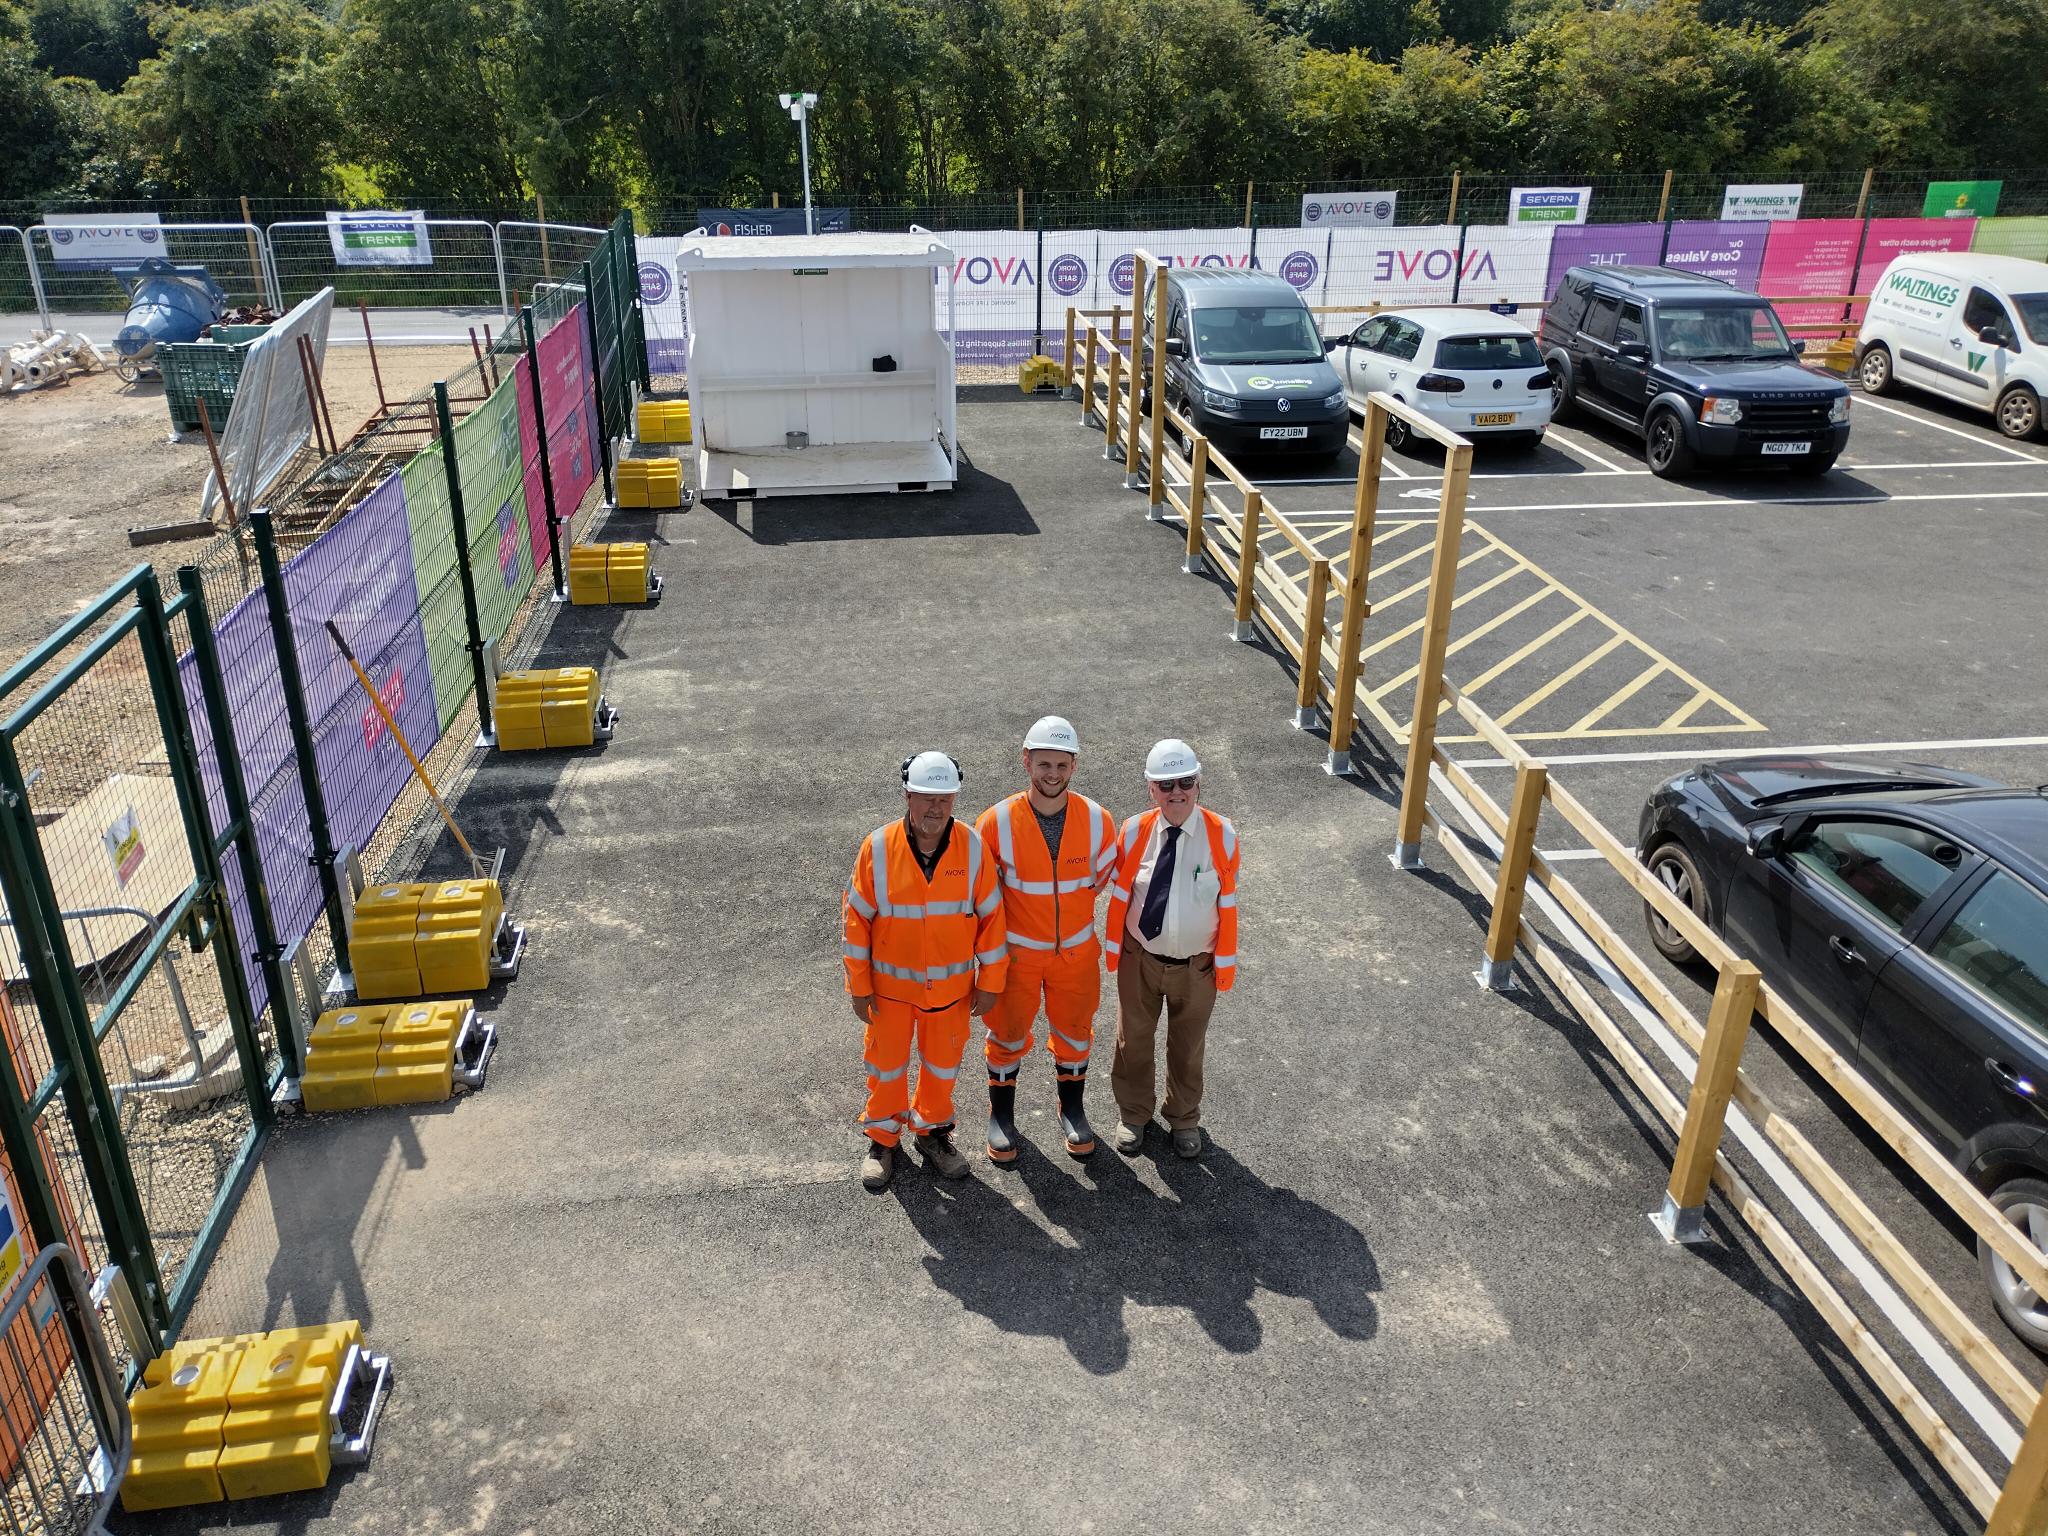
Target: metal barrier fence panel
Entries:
(153, 1033)
(64, 1428)
(537, 257)
(21, 285)
(455, 267)
(77, 275)
(494, 508)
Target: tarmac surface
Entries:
(634, 1283)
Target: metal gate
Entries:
(136, 1072)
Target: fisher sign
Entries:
(380, 239)
(92, 240)
(1323, 210)
(1549, 205)
(773, 221)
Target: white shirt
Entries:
(1190, 926)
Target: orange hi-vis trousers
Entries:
(1069, 984)
(941, 1040)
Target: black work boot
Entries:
(1073, 1119)
(1002, 1122)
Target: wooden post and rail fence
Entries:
(1496, 848)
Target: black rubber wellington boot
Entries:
(1073, 1119)
(1002, 1123)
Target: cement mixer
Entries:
(166, 303)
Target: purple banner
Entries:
(1603, 245)
(359, 574)
(1732, 250)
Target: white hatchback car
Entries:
(1477, 373)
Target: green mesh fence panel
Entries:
(440, 590)
(494, 508)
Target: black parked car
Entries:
(1701, 369)
(1904, 911)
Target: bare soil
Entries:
(83, 462)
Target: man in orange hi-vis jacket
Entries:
(1055, 850)
(923, 942)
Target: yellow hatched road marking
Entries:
(1615, 699)
(1611, 644)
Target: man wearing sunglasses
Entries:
(1172, 941)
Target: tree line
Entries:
(660, 103)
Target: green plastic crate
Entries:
(200, 370)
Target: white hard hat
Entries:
(1052, 734)
(1171, 759)
(931, 773)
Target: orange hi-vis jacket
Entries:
(1222, 855)
(1048, 905)
(925, 944)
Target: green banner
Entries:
(432, 527)
(2012, 237)
(1961, 199)
(494, 506)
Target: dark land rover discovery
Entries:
(1701, 369)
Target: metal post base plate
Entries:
(1071, 392)
(1241, 630)
(1193, 566)
(360, 1371)
(1156, 513)
(1496, 975)
(487, 738)
(1134, 482)
(1680, 1223)
(1338, 765)
(1305, 719)
(1406, 856)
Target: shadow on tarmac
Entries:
(979, 504)
(1217, 1234)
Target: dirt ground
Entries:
(81, 463)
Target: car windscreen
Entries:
(2033, 308)
(1257, 333)
(1485, 353)
(1719, 332)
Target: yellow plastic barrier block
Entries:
(416, 1061)
(560, 703)
(1039, 372)
(276, 1433)
(341, 1059)
(588, 581)
(662, 421)
(380, 949)
(653, 483)
(626, 572)
(177, 1418)
(515, 715)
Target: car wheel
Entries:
(1811, 467)
(2019, 412)
(1874, 368)
(1561, 404)
(1677, 873)
(1666, 449)
(1397, 433)
(2025, 1204)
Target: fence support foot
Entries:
(1680, 1223)
(1192, 566)
(1337, 765)
(1134, 482)
(1241, 630)
(1495, 975)
(1405, 855)
(1071, 392)
(1156, 513)
(1304, 719)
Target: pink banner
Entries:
(529, 458)
(566, 402)
(1810, 256)
(1896, 237)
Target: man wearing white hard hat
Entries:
(1172, 942)
(1055, 850)
(923, 942)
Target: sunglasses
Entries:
(1165, 786)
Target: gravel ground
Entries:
(82, 462)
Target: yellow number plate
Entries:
(1493, 418)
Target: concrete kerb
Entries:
(1389, 1250)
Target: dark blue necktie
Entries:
(1153, 918)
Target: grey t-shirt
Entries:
(1053, 826)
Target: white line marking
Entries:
(1578, 449)
(1725, 501)
(1694, 754)
(1942, 426)
(1563, 855)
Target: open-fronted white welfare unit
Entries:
(817, 364)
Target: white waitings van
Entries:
(1973, 328)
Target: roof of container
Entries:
(916, 248)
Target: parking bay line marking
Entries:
(1573, 446)
(1941, 426)
(1961, 744)
(1717, 501)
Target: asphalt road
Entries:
(634, 1282)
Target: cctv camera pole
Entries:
(799, 104)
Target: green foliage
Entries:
(238, 101)
(48, 128)
(425, 96)
(98, 40)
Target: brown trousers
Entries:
(1143, 982)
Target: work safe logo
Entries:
(1068, 275)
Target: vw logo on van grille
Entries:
(1286, 405)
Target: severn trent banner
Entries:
(380, 239)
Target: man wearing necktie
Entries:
(1172, 940)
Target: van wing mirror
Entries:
(1991, 335)
(1175, 347)
(1799, 345)
(1332, 343)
